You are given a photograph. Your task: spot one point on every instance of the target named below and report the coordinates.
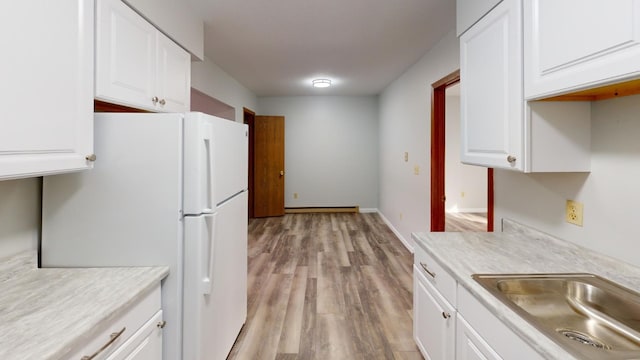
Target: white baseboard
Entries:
(369, 210)
(397, 233)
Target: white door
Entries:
(491, 103)
(46, 87)
(215, 280)
(125, 56)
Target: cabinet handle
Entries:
(162, 102)
(446, 315)
(112, 338)
(511, 159)
(91, 157)
(424, 266)
(154, 100)
(161, 324)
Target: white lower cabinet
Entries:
(145, 344)
(135, 335)
(486, 334)
(455, 325)
(469, 344)
(434, 320)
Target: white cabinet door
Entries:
(574, 44)
(173, 76)
(125, 56)
(434, 320)
(136, 65)
(469, 345)
(46, 72)
(491, 99)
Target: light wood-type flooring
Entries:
(327, 286)
(469, 222)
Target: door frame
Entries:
(438, 96)
(249, 118)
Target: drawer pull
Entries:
(161, 324)
(424, 266)
(446, 315)
(113, 337)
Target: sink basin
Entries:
(591, 317)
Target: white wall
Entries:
(609, 193)
(405, 120)
(210, 79)
(331, 149)
(465, 186)
(19, 216)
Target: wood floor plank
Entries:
(308, 334)
(327, 286)
(469, 222)
(261, 342)
(292, 327)
(330, 296)
(334, 340)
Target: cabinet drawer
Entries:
(145, 344)
(435, 274)
(132, 320)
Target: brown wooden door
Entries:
(268, 169)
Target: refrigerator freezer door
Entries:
(213, 319)
(215, 161)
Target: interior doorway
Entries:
(249, 118)
(459, 213)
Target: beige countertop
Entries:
(519, 250)
(47, 313)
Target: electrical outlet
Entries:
(573, 212)
(416, 170)
(406, 156)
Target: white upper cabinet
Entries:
(468, 12)
(174, 76)
(136, 65)
(576, 44)
(499, 128)
(491, 99)
(46, 88)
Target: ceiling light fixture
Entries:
(321, 83)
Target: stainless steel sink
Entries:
(589, 316)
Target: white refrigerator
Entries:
(166, 189)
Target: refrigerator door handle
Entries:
(208, 254)
(209, 146)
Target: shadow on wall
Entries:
(204, 103)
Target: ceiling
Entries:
(276, 47)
